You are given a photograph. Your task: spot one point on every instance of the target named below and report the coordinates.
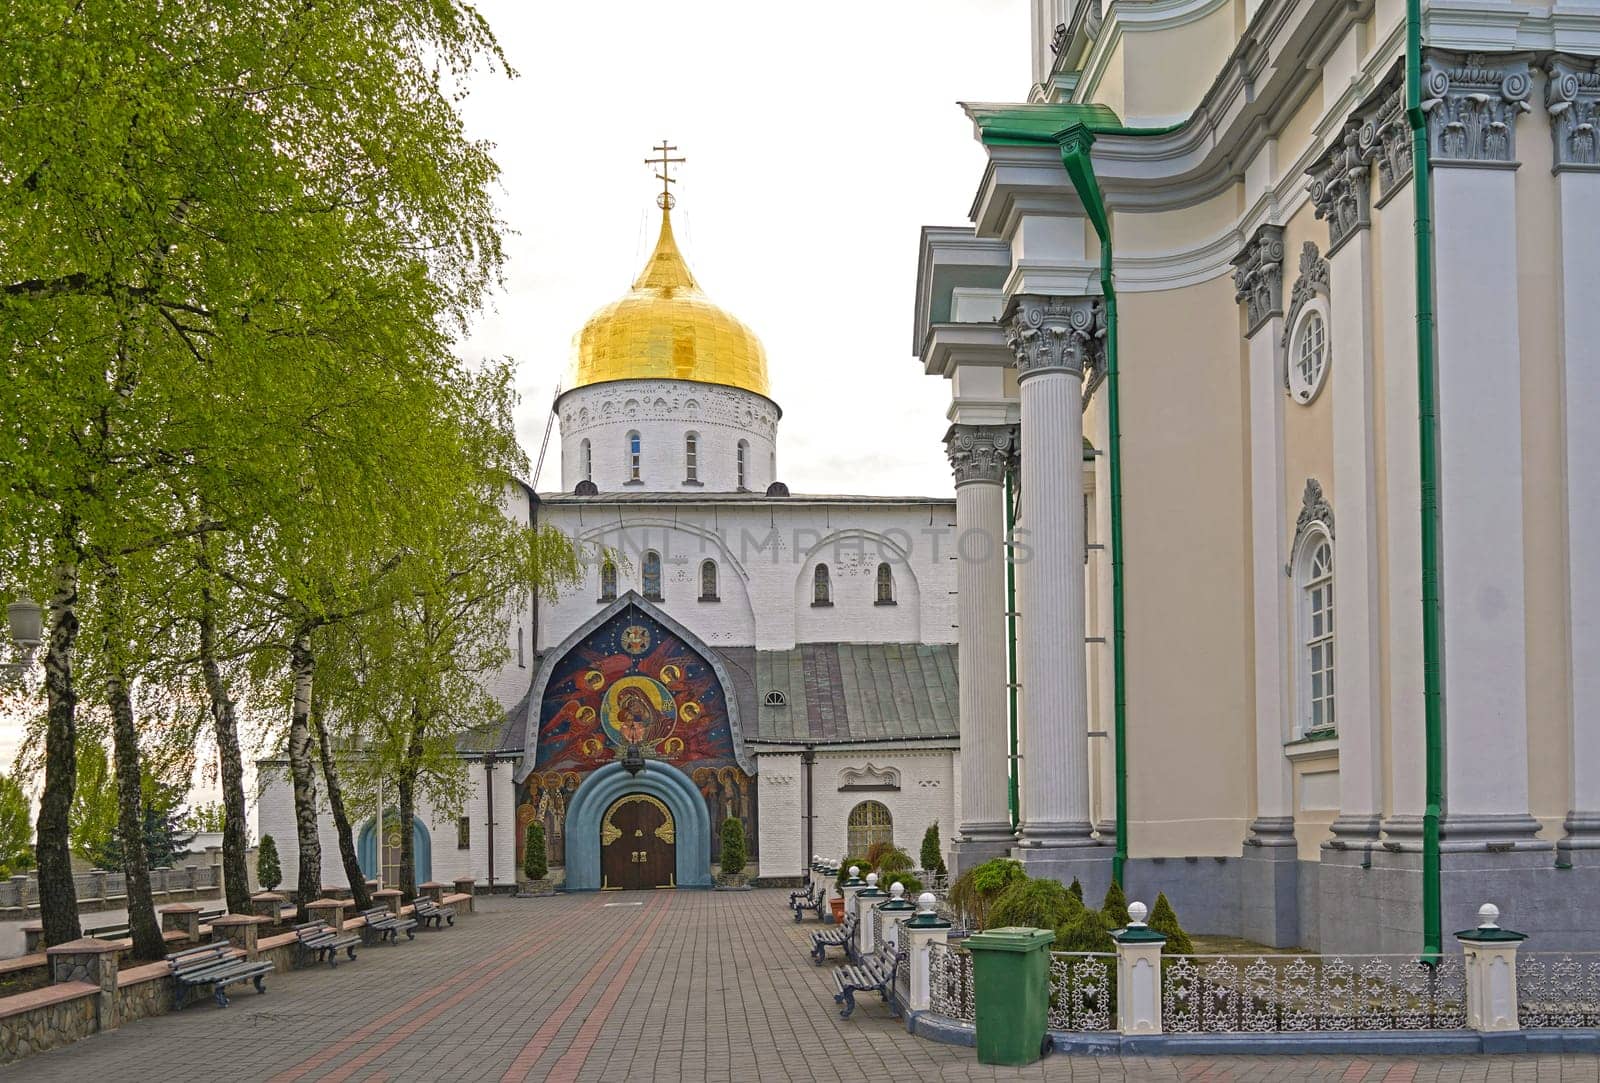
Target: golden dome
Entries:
(665, 328)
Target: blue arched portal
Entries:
(662, 780)
(421, 845)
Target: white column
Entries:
(1573, 95)
(1259, 278)
(1472, 130)
(979, 455)
(1053, 337)
(1341, 191)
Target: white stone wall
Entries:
(926, 794)
(780, 801)
(510, 682)
(275, 817)
(766, 551)
(663, 412)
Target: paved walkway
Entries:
(618, 986)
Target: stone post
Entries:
(922, 932)
(97, 884)
(33, 938)
(373, 885)
(239, 930)
(1138, 974)
(867, 898)
(192, 873)
(979, 456)
(328, 910)
(1055, 339)
(267, 904)
(434, 890)
(466, 885)
(388, 897)
(894, 912)
(183, 918)
(92, 961)
(1491, 966)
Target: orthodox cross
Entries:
(665, 162)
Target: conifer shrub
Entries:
(535, 863)
(913, 885)
(1075, 889)
(1086, 930)
(1115, 908)
(932, 852)
(1164, 920)
(1035, 904)
(895, 860)
(975, 890)
(733, 856)
(268, 873)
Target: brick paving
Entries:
(621, 986)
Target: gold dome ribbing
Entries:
(665, 328)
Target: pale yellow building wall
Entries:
(1109, 89)
(1308, 429)
(1187, 594)
(1173, 68)
(1175, 231)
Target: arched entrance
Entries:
(638, 844)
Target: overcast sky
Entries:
(819, 137)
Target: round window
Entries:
(1308, 356)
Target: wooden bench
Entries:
(383, 925)
(216, 965)
(841, 936)
(319, 939)
(875, 972)
(427, 912)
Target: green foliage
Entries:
(535, 862)
(733, 856)
(93, 819)
(1163, 919)
(913, 885)
(1034, 904)
(1086, 930)
(875, 854)
(16, 832)
(932, 853)
(861, 864)
(268, 874)
(895, 860)
(975, 890)
(205, 818)
(1076, 889)
(1115, 907)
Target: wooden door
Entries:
(638, 845)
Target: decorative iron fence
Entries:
(950, 982)
(1082, 993)
(1266, 994)
(1558, 988)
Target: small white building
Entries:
(784, 659)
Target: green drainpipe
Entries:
(1075, 143)
(1011, 661)
(1428, 441)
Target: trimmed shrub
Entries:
(1115, 908)
(976, 889)
(1036, 904)
(932, 852)
(535, 862)
(1087, 930)
(895, 861)
(732, 846)
(1164, 920)
(913, 885)
(267, 871)
(1075, 889)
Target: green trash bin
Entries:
(1011, 990)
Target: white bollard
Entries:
(1490, 957)
(922, 932)
(1138, 974)
(867, 898)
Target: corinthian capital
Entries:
(1573, 97)
(1258, 277)
(1473, 101)
(980, 452)
(1384, 134)
(1048, 333)
(1340, 187)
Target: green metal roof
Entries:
(1023, 123)
(858, 692)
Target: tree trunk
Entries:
(408, 850)
(302, 770)
(58, 895)
(341, 819)
(235, 836)
(148, 945)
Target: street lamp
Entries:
(26, 621)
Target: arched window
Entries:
(775, 698)
(586, 460)
(1314, 580)
(744, 459)
(708, 580)
(652, 575)
(821, 586)
(869, 823)
(608, 582)
(691, 457)
(885, 584)
(635, 455)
